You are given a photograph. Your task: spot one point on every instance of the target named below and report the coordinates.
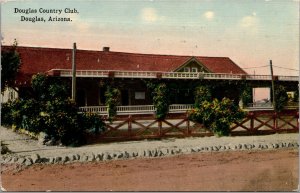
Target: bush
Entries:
(113, 98)
(23, 114)
(30, 113)
(4, 149)
(60, 117)
(92, 123)
(281, 97)
(296, 96)
(6, 112)
(217, 116)
(161, 100)
(50, 111)
(202, 93)
(246, 96)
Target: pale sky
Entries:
(250, 32)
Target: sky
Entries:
(250, 32)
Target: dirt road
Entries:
(272, 170)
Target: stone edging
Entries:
(148, 153)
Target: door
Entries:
(124, 97)
(81, 98)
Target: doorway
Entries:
(124, 97)
(81, 98)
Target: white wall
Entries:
(8, 94)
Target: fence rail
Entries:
(178, 125)
(166, 75)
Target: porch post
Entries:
(273, 87)
(73, 73)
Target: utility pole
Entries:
(74, 73)
(253, 92)
(273, 89)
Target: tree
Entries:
(10, 62)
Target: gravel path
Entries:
(28, 151)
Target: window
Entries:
(194, 69)
(11, 95)
(139, 95)
(186, 69)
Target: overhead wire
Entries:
(256, 67)
(286, 68)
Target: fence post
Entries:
(297, 118)
(129, 124)
(275, 121)
(188, 124)
(251, 114)
(160, 128)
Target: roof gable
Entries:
(191, 60)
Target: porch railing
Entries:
(269, 106)
(180, 107)
(136, 109)
(134, 74)
(174, 108)
(94, 109)
(166, 75)
(180, 75)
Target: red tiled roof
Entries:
(40, 60)
(220, 65)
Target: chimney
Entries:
(105, 49)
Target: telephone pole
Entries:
(74, 73)
(273, 89)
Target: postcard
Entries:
(150, 95)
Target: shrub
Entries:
(281, 97)
(161, 100)
(23, 114)
(40, 86)
(161, 97)
(6, 112)
(17, 112)
(296, 96)
(217, 115)
(4, 149)
(202, 93)
(92, 123)
(246, 96)
(50, 111)
(113, 96)
(29, 111)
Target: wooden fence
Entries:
(134, 127)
